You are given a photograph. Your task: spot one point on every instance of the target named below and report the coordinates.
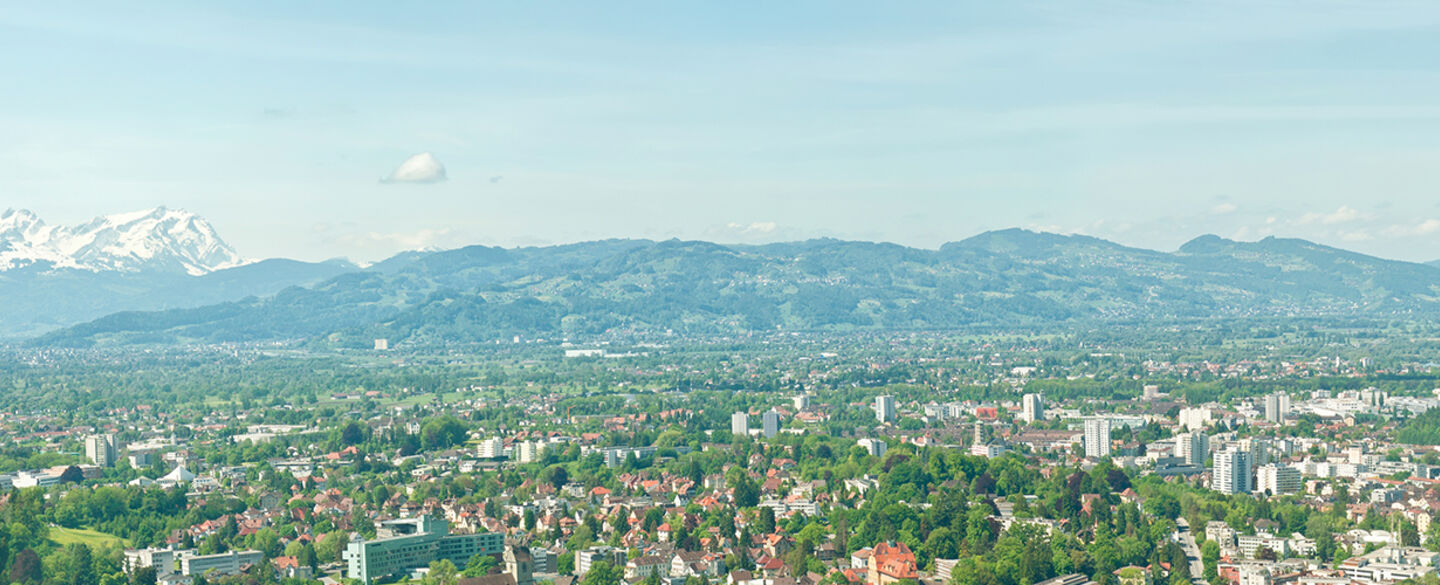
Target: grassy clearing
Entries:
(68, 536)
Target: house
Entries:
(891, 562)
(290, 568)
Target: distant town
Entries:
(942, 463)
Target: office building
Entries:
(885, 408)
(412, 543)
(802, 402)
(100, 450)
(770, 423)
(1032, 408)
(740, 424)
(1231, 474)
(585, 558)
(1097, 438)
(163, 559)
(229, 563)
(1277, 405)
(1192, 447)
(1277, 479)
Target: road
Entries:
(1192, 550)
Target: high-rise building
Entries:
(1277, 479)
(1258, 448)
(1232, 471)
(802, 401)
(770, 423)
(1277, 405)
(885, 408)
(1032, 408)
(1097, 438)
(100, 449)
(1193, 447)
(740, 424)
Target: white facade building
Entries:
(1032, 408)
(770, 423)
(1097, 438)
(885, 408)
(1277, 479)
(1193, 447)
(100, 449)
(1232, 472)
(740, 424)
(875, 447)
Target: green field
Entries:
(67, 536)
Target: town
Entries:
(997, 465)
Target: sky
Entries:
(360, 129)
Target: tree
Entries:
(480, 565)
(81, 565)
(601, 573)
(442, 572)
(72, 474)
(442, 432)
(144, 576)
(352, 433)
(1210, 555)
(26, 567)
(746, 491)
(556, 476)
(330, 545)
(267, 542)
(767, 520)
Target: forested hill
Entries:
(1006, 277)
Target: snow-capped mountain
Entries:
(160, 239)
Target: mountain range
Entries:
(58, 276)
(1000, 278)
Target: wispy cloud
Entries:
(1345, 214)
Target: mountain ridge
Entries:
(480, 293)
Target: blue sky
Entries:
(1147, 123)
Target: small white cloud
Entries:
(751, 232)
(755, 228)
(420, 168)
(1424, 228)
(1223, 209)
(1345, 214)
(423, 239)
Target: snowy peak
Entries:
(160, 239)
